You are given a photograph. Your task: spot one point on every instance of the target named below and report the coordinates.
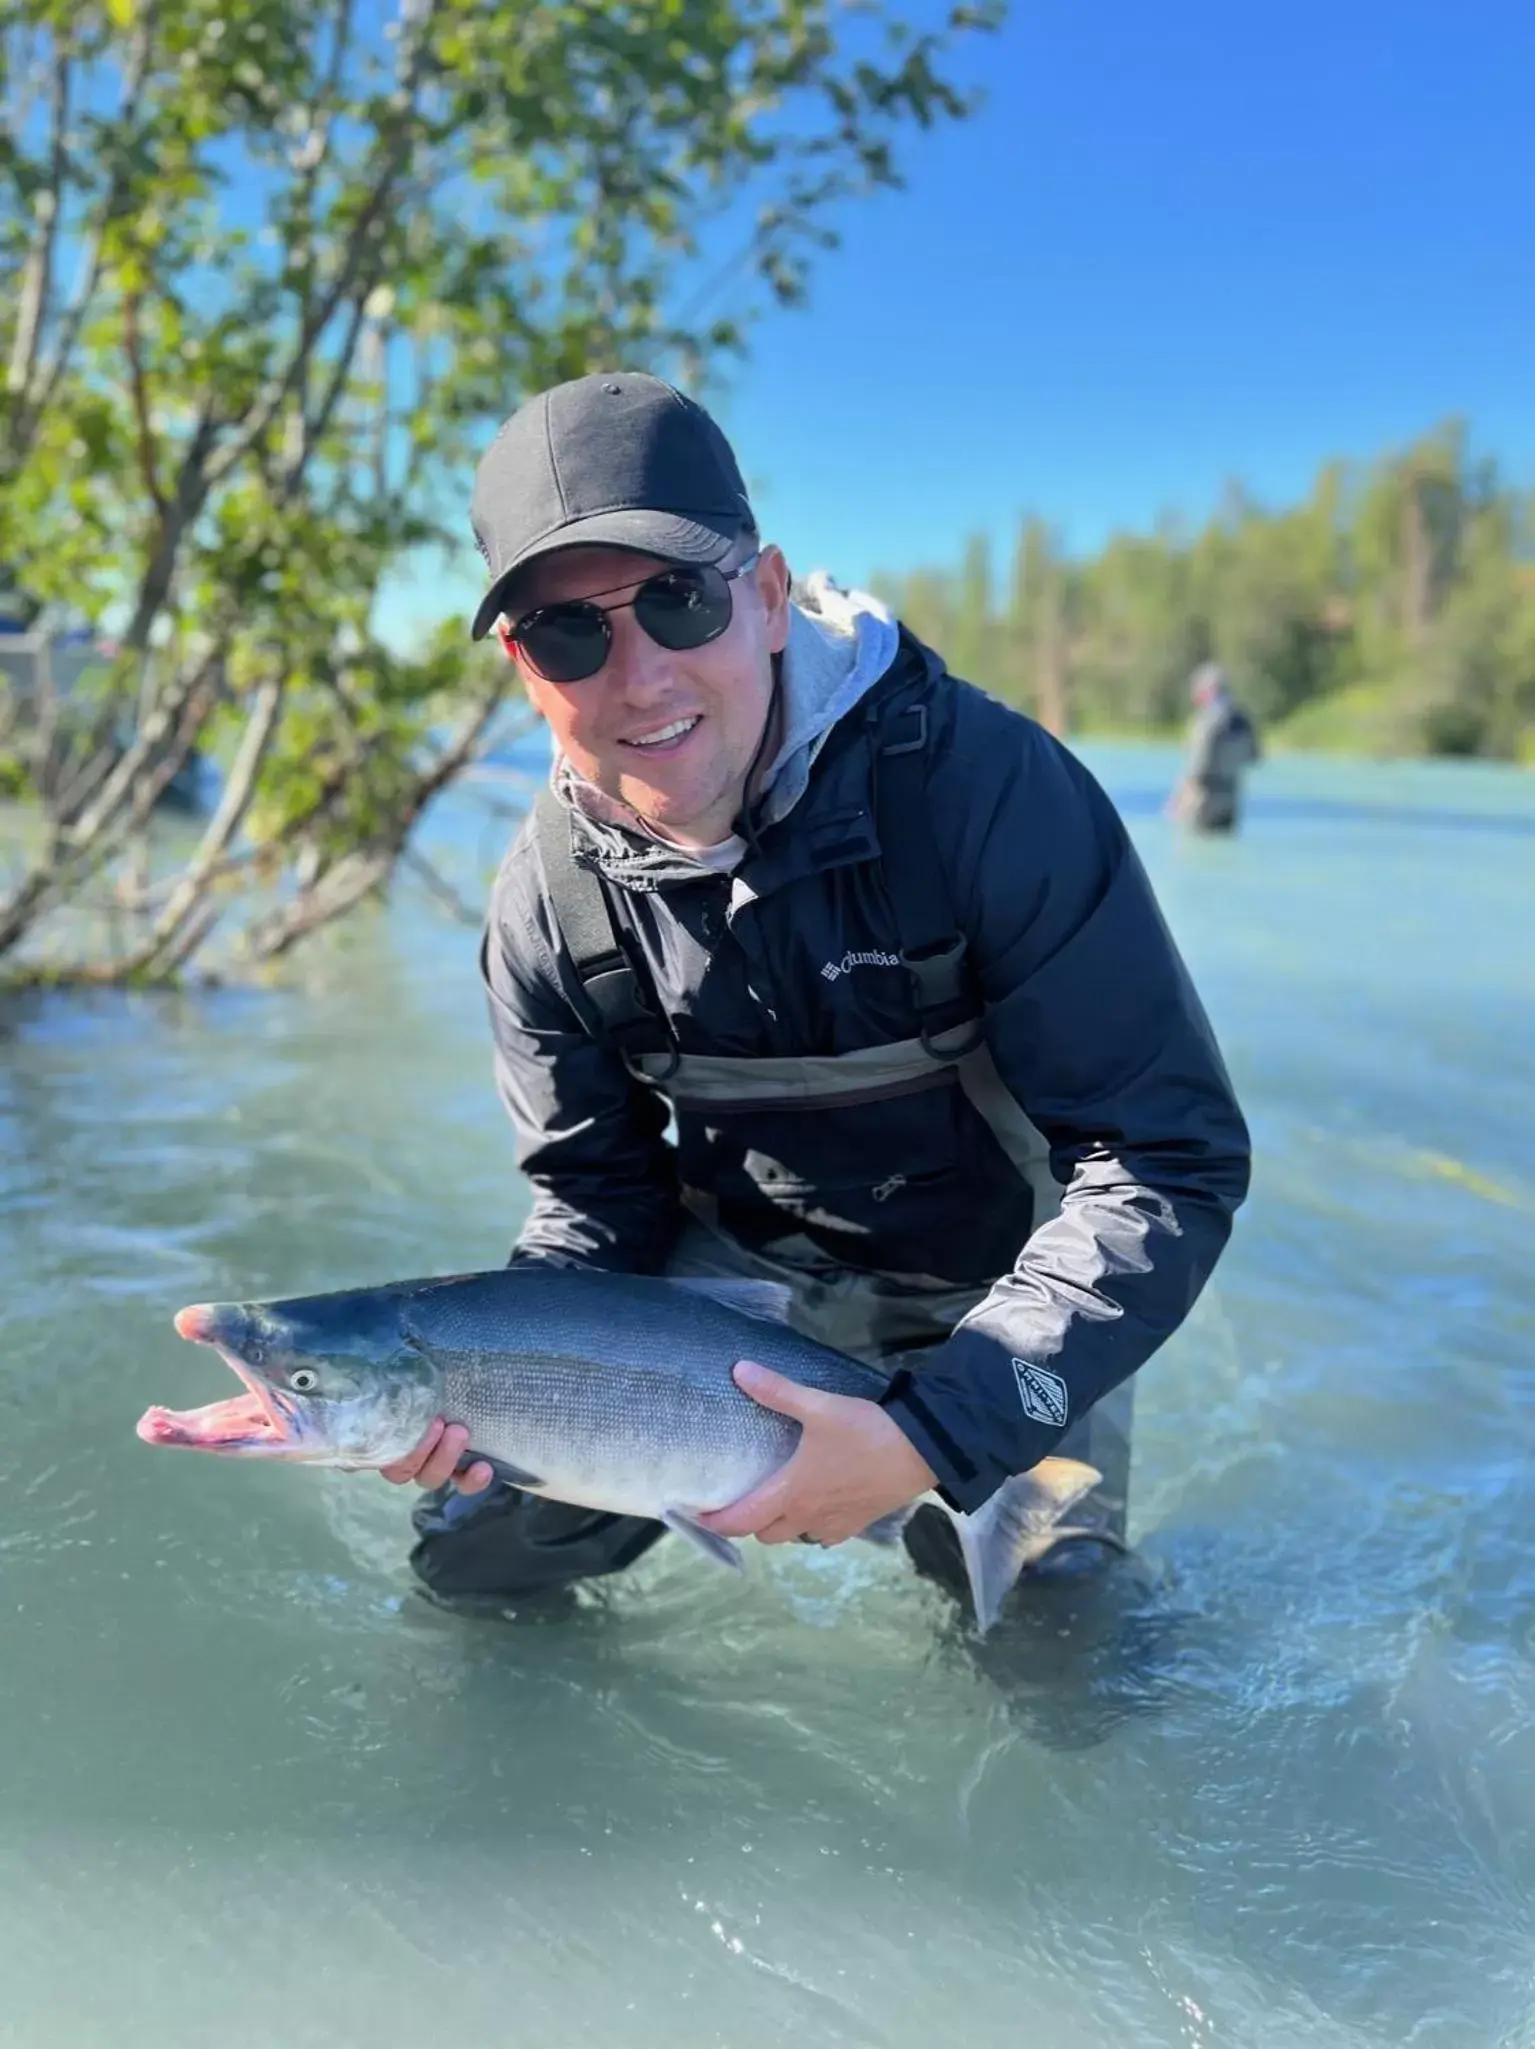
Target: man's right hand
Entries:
(435, 1461)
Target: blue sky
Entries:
(1179, 244)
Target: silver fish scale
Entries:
(616, 1390)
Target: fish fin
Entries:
(767, 1300)
(720, 1549)
(514, 1476)
(887, 1528)
(1016, 1526)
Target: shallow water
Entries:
(1273, 1785)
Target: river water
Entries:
(1273, 1784)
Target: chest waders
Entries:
(1230, 750)
(888, 1319)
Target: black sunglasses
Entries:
(685, 606)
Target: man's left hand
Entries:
(853, 1465)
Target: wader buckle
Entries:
(938, 981)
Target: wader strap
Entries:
(932, 949)
(716, 1085)
(626, 1017)
(721, 1082)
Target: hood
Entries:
(840, 643)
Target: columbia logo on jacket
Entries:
(834, 969)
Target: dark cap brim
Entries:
(666, 534)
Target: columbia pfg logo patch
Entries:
(1043, 1394)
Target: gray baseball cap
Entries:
(615, 460)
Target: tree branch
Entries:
(34, 405)
(357, 873)
(336, 891)
(440, 887)
(457, 752)
(122, 808)
(147, 754)
(317, 148)
(37, 273)
(222, 826)
(266, 409)
(149, 467)
(380, 345)
(314, 429)
(416, 17)
(192, 488)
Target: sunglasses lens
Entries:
(565, 643)
(680, 608)
(684, 607)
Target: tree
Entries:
(1267, 587)
(1470, 685)
(1141, 633)
(1407, 533)
(1404, 591)
(268, 274)
(1038, 627)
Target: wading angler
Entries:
(813, 967)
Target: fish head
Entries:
(330, 1380)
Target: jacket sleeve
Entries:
(590, 1138)
(1095, 1028)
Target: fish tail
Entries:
(1017, 1525)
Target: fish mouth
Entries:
(251, 1424)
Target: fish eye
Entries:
(303, 1380)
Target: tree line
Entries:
(1392, 611)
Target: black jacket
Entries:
(1089, 1014)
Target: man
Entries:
(882, 950)
(1222, 746)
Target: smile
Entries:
(667, 736)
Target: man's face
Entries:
(690, 784)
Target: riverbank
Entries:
(1355, 725)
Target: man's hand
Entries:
(853, 1465)
(435, 1461)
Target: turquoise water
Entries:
(1274, 1785)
